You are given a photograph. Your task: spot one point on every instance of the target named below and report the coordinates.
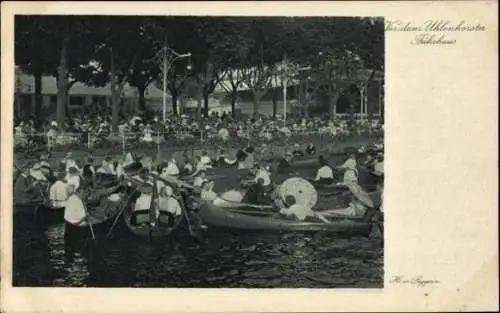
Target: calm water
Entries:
(219, 259)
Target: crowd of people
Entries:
(63, 182)
(137, 129)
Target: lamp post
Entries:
(166, 65)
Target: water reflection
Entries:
(220, 259)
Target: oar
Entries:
(125, 204)
(186, 216)
(89, 221)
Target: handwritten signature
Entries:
(416, 280)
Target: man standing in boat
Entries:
(59, 192)
(75, 212)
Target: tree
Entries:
(53, 45)
(122, 43)
(231, 84)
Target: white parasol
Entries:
(360, 194)
(304, 192)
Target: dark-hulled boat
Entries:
(165, 225)
(46, 214)
(101, 219)
(250, 219)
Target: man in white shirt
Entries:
(73, 177)
(325, 173)
(378, 168)
(75, 212)
(200, 179)
(69, 162)
(263, 174)
(37, 174)
(207, 192)
(224, 134)
(171, 169)
(107, 166)
(296, 210)
(351, 172)
(205, 159)
(143, 203)
(167, 203)
(58, 193)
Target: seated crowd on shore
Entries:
(142, 129)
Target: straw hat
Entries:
(36, 167)
(360, 194)
(68, 154)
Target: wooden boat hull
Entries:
(45, 214)
(74, 233)
(101, 219)
(237, 220)
(160, 230)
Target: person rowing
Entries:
(284, 164)
(264, 174)
(142, 205)
(75, 212)
(350, 170)
(168, 203)
(359, 204)
(200, 179)
(246, 158)
(310, 149)
(205, 159)
(171, 169)
(200, 166)
(325, 172)
(297, 152)
(59, 192)
(46, 168)
(37, 175)
(73, 177)
(69, 162)
(292, 209)
(107, 166)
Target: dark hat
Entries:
(73, 170)
(133, 168)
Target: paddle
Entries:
(89, 220)
(186, 216)
(125, 203)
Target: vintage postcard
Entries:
(233, 156)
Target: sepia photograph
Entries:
(198, 151)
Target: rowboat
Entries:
(99, 222)
(46, 214)
(165, 225)
(249, 219)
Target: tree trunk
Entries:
(205, 104)
(115, 92)
(142, 99)
(173, 93)
(333, 104)
(38, 98)
(275, 101)
(233, 104)
(198, 108)
(62, 82)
